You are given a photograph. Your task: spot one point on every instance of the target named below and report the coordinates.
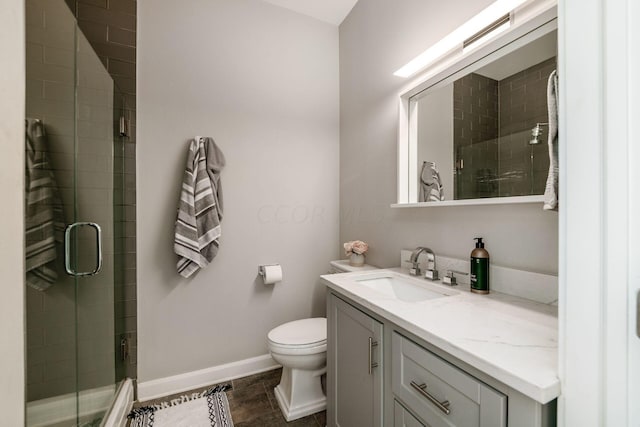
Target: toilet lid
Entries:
(300, 332)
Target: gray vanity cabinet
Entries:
(440, 393)
(379, 374)
(354, 366)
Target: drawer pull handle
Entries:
(422, 389)
(372, 365)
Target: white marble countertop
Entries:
(511, 339)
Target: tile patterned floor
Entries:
(253, 403)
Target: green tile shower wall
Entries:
(523, 103)
(475, 129)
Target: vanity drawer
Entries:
(431, 387)
(403, 418)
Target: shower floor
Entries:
(60, 411)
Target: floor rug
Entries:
(209, 408)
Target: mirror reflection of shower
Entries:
(536, 133)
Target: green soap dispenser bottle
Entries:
(479, 268)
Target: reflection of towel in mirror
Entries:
(431, 189)
(551, 189)
(198, 228)
(43, 217)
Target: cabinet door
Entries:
(355, 367)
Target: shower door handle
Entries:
(67, 249)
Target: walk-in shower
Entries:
(74, 211)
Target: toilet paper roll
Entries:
(272, 274)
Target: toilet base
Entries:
(300, 393)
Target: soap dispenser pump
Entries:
(479, 268)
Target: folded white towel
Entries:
(551, 189)
(198, 229)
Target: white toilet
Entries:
(301, 348)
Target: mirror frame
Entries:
(542, 22)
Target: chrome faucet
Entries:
(431, 272)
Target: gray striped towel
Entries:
(431, 188)
(44, 222)
(197, 230)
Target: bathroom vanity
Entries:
(404, 351)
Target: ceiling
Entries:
(331, 11)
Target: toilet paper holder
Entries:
(261, 269)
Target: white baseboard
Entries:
(160, 387)
(63, 408)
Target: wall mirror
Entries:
(476, 133)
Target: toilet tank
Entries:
(342, 266)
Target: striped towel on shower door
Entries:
(197, 229)
(44, 222)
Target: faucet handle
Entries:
(450, 279)
(415, 267)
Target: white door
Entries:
(634, 226)
(599, 362)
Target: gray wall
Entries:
(377, 38)
(263, 82)
(12, 81)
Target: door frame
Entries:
(12, 302)
(599, 69)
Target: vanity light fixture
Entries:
(490, 31)
(485, 25)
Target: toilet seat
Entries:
(297, 350)
(305, 336)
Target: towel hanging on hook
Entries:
(198, 228)
(551, 188)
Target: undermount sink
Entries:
(403, 289)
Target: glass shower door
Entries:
(71, 182)
(91, 242)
